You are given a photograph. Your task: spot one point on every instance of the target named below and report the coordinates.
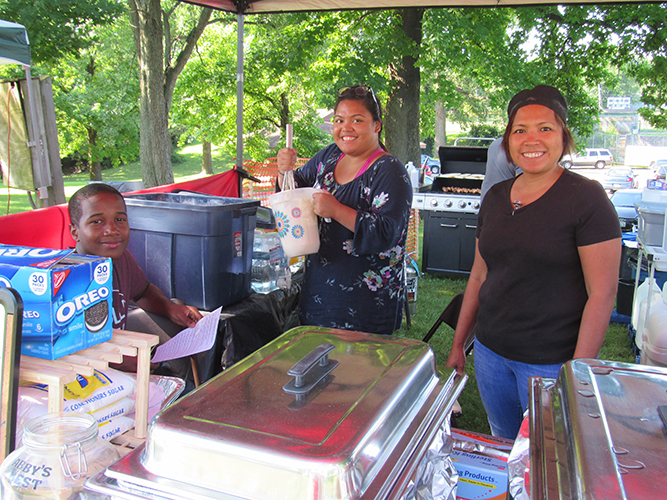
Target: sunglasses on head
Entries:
(361, 91)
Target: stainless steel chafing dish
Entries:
(596, 433)
(316, 414)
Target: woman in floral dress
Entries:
(356, 280)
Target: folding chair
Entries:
(450, 316)
(11, 324)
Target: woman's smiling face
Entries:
(536, 139)
(354, 130)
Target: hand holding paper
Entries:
(190, 341)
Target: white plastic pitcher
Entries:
(296, 221)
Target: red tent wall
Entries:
(49, 227)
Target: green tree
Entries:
(642, 30)
(204, 102)
(96, 97)
(60, 28)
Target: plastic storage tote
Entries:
(194, 247)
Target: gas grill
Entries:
(450, 207)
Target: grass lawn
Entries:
(186, 164)
(434, 291)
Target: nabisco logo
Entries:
(59, 278)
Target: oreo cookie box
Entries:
(66, 298)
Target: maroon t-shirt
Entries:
(129, 283)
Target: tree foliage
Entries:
(60, 28)
(96, 95)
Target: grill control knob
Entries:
(462, 204)
(448, 203)
(475, 205)
(434, 202)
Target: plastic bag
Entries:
(518, 464)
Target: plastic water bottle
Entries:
(414, 175)
(270, 267)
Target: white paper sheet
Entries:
(190, 341)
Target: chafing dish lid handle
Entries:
(662, 411)
(310, 369)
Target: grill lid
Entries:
(462, 159)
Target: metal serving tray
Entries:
(595, 433)
(253, 432)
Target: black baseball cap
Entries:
(544, 95)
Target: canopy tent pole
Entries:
(239, 99)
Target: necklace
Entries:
(516, 204)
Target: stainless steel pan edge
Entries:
(407, 472)
(609, 441)
(143, 485)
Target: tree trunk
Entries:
(440, 127)
(154, 143)
(94, 165)
(157, 81)
(402, 112)
(207, 161)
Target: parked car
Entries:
(659, 170)
(619, 178)
(431, 165)
(431, 168)
(624, 203)
(592, 157)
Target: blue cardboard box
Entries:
(480, 477)
(67, 298)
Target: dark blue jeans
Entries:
(503, 387)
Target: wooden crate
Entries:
(57, 373)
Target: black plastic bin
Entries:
(625, 296)
(194, 247)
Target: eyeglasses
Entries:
(361, 91)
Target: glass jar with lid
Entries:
(59, 452)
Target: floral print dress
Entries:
(356, 280)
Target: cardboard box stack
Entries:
(481, 462)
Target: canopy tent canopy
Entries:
(275, 6)
(14, 44)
